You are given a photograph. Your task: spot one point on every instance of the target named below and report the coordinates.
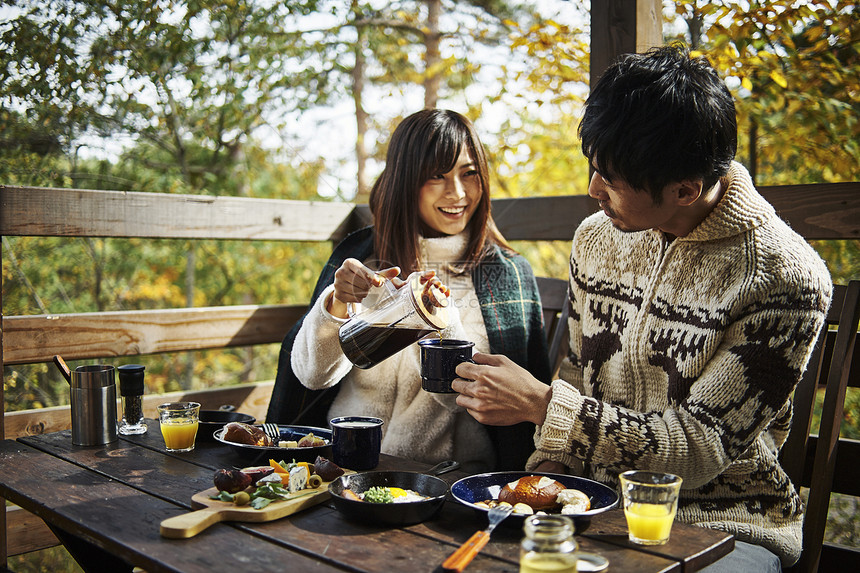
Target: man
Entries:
(693, 312)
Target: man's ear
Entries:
(688, 191)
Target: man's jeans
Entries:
(746, 557)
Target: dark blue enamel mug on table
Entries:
(356, 441)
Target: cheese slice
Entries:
(298, 478)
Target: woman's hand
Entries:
(497, 391)
(435, 291)
(352, 282)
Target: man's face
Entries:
(631, 210)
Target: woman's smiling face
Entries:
(447, 201)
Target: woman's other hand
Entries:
(352, 282)
(435, 292)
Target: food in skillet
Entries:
(261, 485)
(531, 494)
(383, 494)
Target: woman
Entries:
(431, 207)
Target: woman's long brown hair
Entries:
(425, 144)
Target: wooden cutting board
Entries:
(211, 511)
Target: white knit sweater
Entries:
(684, 357)
(418, 425)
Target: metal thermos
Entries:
(93, 395)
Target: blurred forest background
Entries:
(296, 100)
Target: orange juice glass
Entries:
(179, 421)
(650, 504)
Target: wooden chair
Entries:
(811, 460)
(553, 296)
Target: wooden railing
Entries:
(827, 211)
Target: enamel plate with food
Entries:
(301, 443)
(534, 492)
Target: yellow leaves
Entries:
(160, 288)
(778, 78)
(746, 83)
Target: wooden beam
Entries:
(26, 532)
(816, 211)
(820, 210)
(649, 24)
(29, 339)
(542, 218)
(37, 211)
(251, 398)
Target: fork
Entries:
(464, 554)
(273, 432)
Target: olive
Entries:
(241, 498)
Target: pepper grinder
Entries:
(131, 388)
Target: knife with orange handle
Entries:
(464, 554)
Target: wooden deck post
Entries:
(622, 27)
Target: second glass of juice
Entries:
(179, 421)
(650, 504)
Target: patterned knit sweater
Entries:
(683, 358)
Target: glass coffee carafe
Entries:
(396, 318)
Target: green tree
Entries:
(191, 82)
(794, 66)
(409, 44)
(795, 70)
(536, 151)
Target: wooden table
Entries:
(116, 496)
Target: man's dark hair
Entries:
(660, 117)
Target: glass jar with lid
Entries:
(548, 545)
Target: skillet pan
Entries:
(394, 514)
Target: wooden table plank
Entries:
(124, 521)
(697, 548)
(320, 530)
(140, 462)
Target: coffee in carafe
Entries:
(399, 318)
(367, 344)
